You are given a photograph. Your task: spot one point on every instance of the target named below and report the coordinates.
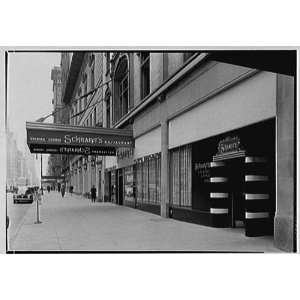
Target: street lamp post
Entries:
(41, 173)
(38, 196)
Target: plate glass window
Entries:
(145, 74)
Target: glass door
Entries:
(237, 205)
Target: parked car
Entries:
(24, 195)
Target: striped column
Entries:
(258, 219)
(219, 195)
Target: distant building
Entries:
(20, 166)
(12, 162)
(57, 105)
(56, 162)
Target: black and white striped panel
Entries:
(257, 197)
(219, 195)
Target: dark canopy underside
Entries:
(72, 140)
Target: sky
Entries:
(29, 91)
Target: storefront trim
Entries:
(244, 104)
(256, 178)
(219, 210)
(214, 93)
(256, 215)
(257, 196)
(218, 195)
(149, 207)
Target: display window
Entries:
(148, 176)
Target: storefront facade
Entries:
(229, 158)
(210, 150)
(227, 180)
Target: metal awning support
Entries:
(65, 139)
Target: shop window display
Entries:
(129, 184)
(180, 169)
(148, 179)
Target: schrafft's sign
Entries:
(72, 150)
(229, 144)
(228, 148)
(65, 139)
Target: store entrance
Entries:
(236, 194)
(120, 188)
(233, 179)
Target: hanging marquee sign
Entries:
(72, 150)
(76, 140)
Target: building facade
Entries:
(56, 162)
(83, 97)
(20, 165)
(206, 134)
(213, 140)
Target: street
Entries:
(76, 224)
(16, 214)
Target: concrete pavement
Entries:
(76, 224)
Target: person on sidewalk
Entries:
(71, 190)
(48, 189)
(63, 190)
(93, 193)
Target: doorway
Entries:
(99, 186)
(107, 186)
(235, 175)
(120, 187)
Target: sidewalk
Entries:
(76, 224)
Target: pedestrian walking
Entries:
(48, 189)
(71, 190)
(63, 190)
(93, 193)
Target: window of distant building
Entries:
(145, 74)
(107, 102)
(95, 117)
(74, 113)
(79, 105)
(107, 62)
(121, 89)
(92, 77)
(91, 61)
(91, 120)
(84, 79)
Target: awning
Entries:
(76, 140)
(276, 61)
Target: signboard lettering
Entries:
(77, 139)
(109, 151)
(202, 169)
(67, 139)
(229, 144)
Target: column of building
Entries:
(285, 200)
